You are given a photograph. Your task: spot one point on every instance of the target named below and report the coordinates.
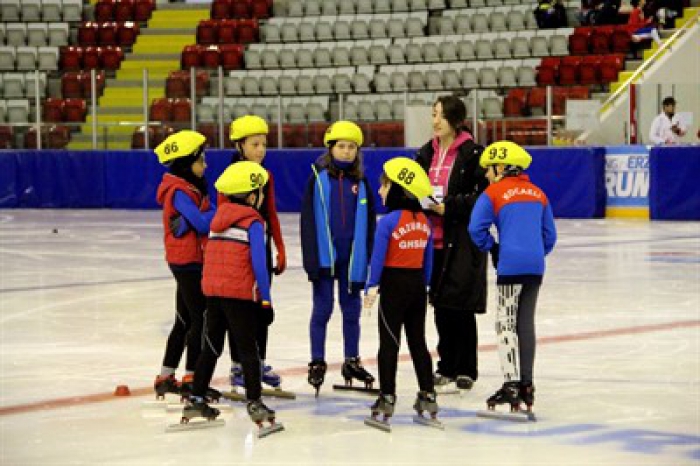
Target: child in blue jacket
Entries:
(523, 217)
(337, 228)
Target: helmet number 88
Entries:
(406, 176)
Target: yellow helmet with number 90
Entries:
(506, 153)
(409, 175)
(181, 144)
(241, 178)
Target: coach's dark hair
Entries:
(454, 111)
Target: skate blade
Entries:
(269, 430)
(377, 424)
(418, 419)
(448, 390)
(194, 425)
(278, 393)
(518, 416)
(173, 407)
(369, 391)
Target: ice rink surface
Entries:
(86, 303)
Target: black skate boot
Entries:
(197, 407)
(384, 406)
(212, 395)
(352, 369)
(165, 384)
(259, 413)
(427, 401)
(444, 385)
(509, 394)
(464, 382)
(527, 395)
(317, 373)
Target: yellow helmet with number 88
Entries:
(241, 178)
(409, 175)
(506, 153)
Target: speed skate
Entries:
(197, 408)
(512, 394)
(235, 395)
(516, 416)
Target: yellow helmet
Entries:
(180, 144)
(409, 175)
(241, 178)
(247, 125)
(343, 130)
(507, 153)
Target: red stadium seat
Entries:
(248, 31)
(161, 110)
(143, 10)
(600, 39)
(228, 31)
(589, 70)
(620, 40)
(295, 135)
(514, 103)
(126, 36)
(537, 99)
(181, 110)
(91, 58)
(260, 9)
(273, 137)
(7, 136)
(547, 71)
(124, 10)
(104, 10)
(108, 33)
(316, 133)
(88, 33)
(74, 110)
(71, 84)
(71, 58)
(207, 32)
(111, 58)
(610, 66)
(578, 41)
(211, 132)
(30, 138)
(176, 84)
(221, 9)
(240, 9)
(191, 57)
(568, 70)
(231, 56)
(87, 84)
(58, 137)
(53, 110)
(211, 57)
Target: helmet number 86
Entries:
(406, 176)
(170, 148)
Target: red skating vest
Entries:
(408, 241)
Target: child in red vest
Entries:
(187, 214)
(235, 281)
(249, 137)
(400, 269)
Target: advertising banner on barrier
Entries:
(627, 181)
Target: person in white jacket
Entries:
(666, 127)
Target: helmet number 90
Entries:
(170, 148)
(493, 153)
(406, 176)
(256, 180)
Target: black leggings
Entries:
(239, 318)
(402, 302)
(187, 329)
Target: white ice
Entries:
(86, 303)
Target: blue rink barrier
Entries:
(573, 178)
(674, 190)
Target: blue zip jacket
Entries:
(319, 245)
(525, 223)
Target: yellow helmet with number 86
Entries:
(241, 178)
(409, 175)
(506, 153)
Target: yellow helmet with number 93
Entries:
(506, 153)
(409, 175)
(241, 178)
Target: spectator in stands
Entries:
(666, 11)
(588, 9)
(641, 27)
(551, 14)
(458, 280)
(666, 127)
(606, 13)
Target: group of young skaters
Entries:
(424, 248)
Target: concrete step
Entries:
(152, 56)
(168, 31)
(632, 65)
(134, 82)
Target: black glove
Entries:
(267, 315)
(495, 252)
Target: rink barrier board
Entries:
(572, 178)
(674, 189)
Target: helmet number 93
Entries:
(493, 153)
(170, 148)
(406, 176)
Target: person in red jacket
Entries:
(249, 136)
(187, 214)
(640, 27)
(235, 281)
